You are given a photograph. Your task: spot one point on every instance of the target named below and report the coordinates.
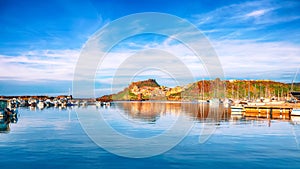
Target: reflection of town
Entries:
(153, 110)
(203, 112)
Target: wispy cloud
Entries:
(246, 19)
(258, 60)
(249, 59)
(236, 13)
(257, 13)
(39, 65)
(253, 39)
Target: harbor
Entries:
(269, 110)
(150, 84)
(272, 112)
(147, 110)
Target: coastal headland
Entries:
(247, 92)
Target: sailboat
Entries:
(296, 94)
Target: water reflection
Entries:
(47, 134)
(5, 123)
(152, 111)
(200, 112)
(295, 120)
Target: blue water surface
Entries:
(53, 138)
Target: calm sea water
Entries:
(54, 138)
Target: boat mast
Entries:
(232, 94)
(249, 90)
(292, 87)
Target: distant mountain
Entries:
(203, 90)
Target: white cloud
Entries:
(239, 58)
(257, 13)
(39, 65)
(114, 60)
(258, 60)
(236, 14)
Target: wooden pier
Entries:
(269, 111)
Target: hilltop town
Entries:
(205, 90)
(200, 91)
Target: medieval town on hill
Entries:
(233, 92)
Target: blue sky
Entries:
(41, 40)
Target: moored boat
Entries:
(98, 103)
(41, 104)
(5, 111)
(296, 94)
(295, 112)
(237, 110)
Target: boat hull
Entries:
(295, 112)
(296, 94)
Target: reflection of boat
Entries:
(295, 112)
(236, 117)
(4, 125)
(83, 103)
(6, 116)
(295, 119)
(98, 103)
(214, 102)
(5, 121)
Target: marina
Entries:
(272, 110)
(80, 132)
(150, 84)
(56, 134)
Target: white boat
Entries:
(256, 104)
(41, 105)
(214, 102)
(203, 101)
(98, 103)
(237, 110)
(295, 112)
(107, 104)
(84, 103)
